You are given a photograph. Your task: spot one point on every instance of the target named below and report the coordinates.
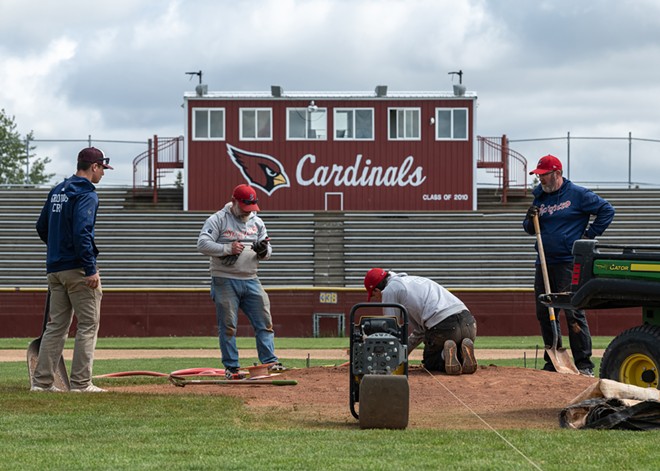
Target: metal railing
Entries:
(164, 151)
(72, 147)
(509, 166)
(162, 156)
(601, 152)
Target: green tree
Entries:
(178, 183)
(14, 157)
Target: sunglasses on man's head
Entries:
(254, 201)
(105, 161)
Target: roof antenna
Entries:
(459, 89)
(201, 89)
(198, 73)
(459, 73)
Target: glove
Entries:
(531, 212)
(261, 248)
(229, 260)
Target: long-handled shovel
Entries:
(559, 356)
(182, 381)
(61, 378)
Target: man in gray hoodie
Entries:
(235, 239)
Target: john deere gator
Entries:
(619, 276)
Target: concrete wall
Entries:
(192, 313)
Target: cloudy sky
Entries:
(115, 70)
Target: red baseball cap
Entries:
(246, 197)
(373, 279)
(546, 164)
(94, 156)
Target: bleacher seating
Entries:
(156, 248)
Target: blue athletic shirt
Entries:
(564, 216)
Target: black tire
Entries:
(633, 357)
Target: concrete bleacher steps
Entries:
(155, 247)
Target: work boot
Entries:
(233, 372)
(452, 365)
(469, 360)
(586, 372)
(277, 368)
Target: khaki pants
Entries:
(68, 295)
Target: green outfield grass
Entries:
(193, 432)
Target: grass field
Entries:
(123, 431)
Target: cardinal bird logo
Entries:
(260, 170)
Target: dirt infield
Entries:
(498, 397)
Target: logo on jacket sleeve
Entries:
(260, 170)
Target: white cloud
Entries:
(33, 90)
(161, 29)
(115, 69)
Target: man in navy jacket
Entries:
(66, 225)
(564, 210)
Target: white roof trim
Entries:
(329, 95)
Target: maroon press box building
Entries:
(327, 151)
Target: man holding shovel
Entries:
(563, 211)
(66, 225)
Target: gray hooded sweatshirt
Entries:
(217, 235)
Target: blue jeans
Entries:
(229, 295)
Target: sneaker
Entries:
(452, 365)
(233, 372)
(49, 389)
(89, 389)
(586, 372)
(277, 367)
(469, 361)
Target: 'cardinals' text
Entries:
(358, 174)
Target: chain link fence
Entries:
(625, 161)
(609, 161)
(63, 153)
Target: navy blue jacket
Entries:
(564, 216)
(66, 225)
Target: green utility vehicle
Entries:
(619, 276)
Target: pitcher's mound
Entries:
(499, 397)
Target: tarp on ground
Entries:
(608, 404)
